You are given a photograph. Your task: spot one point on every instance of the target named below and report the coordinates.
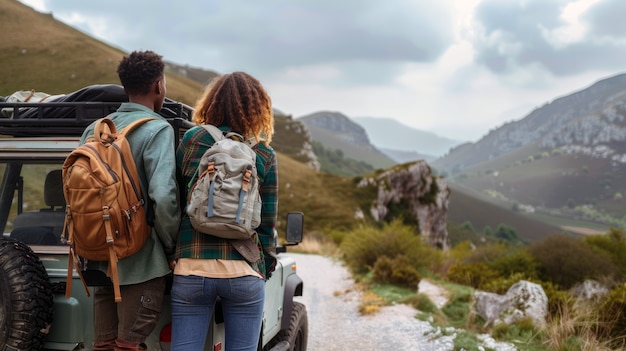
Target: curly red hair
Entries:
(239, 101)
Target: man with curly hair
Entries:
(125, 325)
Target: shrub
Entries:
(506, 233)
(461, 250)
(398, 271)
(515, 262)
(475, 275)
(504, 259)
(468, 226)
(363, 246)
(567, 261)
(613, 244)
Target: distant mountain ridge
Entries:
(335, 130)
(588, 117)
(389, 134)
(564, 160)
(402, 156)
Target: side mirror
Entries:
(295, 226)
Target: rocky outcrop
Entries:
(292, 138)
(414, 191)
(589, 290)
(339, 123)
(523, 300)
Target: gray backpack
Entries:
(224, 200)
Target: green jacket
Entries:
(193, 244)
(153, 148)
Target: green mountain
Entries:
(334, 130)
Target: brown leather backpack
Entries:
(105, 216)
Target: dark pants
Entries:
(125, 325)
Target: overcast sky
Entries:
(457, 68)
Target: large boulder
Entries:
(412, 189)
(523, 300)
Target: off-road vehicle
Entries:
(35, 138)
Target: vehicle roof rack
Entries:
(71, 118)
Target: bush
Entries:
(506, 233)
(363, 246)
(468, 226)
(398, 271)
(515, 262)
(503, 259)
(611, 243)
(475, 275)
(567, 261)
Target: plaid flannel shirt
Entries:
(193, 244)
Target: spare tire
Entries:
(26, 298)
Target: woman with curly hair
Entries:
(209, 267)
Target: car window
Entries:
(37, 209)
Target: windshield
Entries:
(32, 206)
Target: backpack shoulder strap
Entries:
(218, 134)
(215, 132)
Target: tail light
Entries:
(165, 338)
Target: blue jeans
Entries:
(193, 300)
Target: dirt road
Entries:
(335, 323)
(334, 320)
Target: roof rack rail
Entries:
(71, 118)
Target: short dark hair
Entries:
(139, 70)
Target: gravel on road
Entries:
(332, 303)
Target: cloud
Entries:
(561, 37)
(454, 67)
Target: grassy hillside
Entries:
(331, 141)
(41, 53)
(557, 185)
(467, 207)
(326, 200)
